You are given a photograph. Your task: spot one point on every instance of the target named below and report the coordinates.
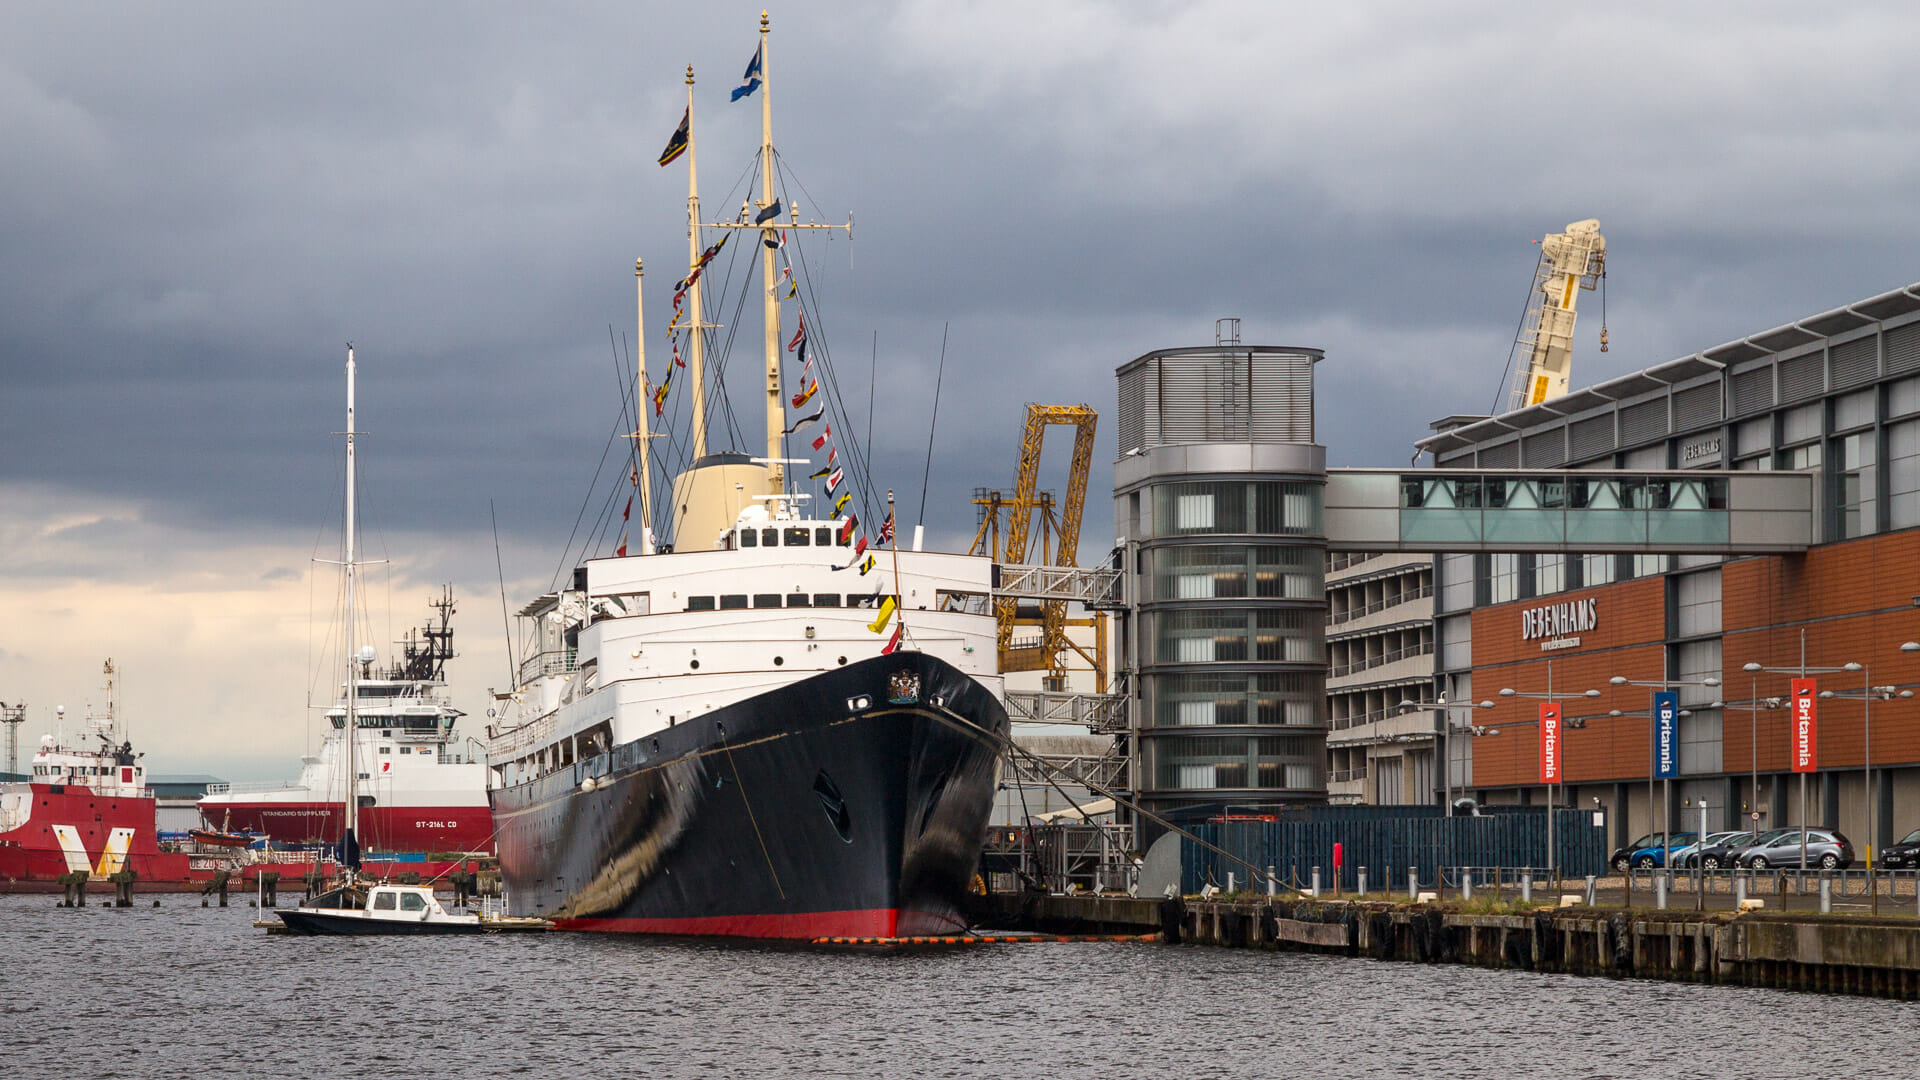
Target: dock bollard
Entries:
(1826, 894)
(1361, 889)
(1526, 886)
(1593, 887)
(1466, 884)
(1413, 883)
(1739, 892)
(1314, 883)
(1660, 891)
(1273, 883)
(1230, 885)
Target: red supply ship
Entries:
(86, 807)
(416, 792)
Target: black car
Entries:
(1906, 853)
(1622, 857)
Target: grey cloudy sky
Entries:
(202, 205)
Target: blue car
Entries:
(1656, 854)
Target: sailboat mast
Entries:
(640, 433)
(697, 325)
(353, 691)
(776, 413)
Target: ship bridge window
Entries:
(826, 599)
(733, 601)
(799, 599)
(406, 749)
(749, 538)
(766, 599)
(769, 537)
(412, 902)
(383, 901)
(823, 537)
(797, 538)
(699, 603)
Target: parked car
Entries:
(1655, 853)
(1726, 852)
(1686, 856)
(1902, 854)
(1622, 856)
(1828, 849)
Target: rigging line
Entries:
(932, 423)
(1514, 349)
(506, 624)
(585, 501)
(858, 463)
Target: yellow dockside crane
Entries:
(1014, 546)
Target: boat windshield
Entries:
(412, 902)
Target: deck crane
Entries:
(1014, 545)
(1570, 262)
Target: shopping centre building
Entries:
(1835, 395)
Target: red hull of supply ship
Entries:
(411, 829)
(87, 807)
(416, 794)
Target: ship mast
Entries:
(349, 846)
(776, 412)
(695, 327)
(640, 433)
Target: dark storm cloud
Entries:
(204, 207)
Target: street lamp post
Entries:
(1553, 861)
(1754, 704)
(1803, 671)
(1445, 728)
(1653, 755)
(1865, 696)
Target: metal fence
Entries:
(1388, 843)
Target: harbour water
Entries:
(182, 990)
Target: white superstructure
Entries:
(645, 642)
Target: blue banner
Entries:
(1666, 734)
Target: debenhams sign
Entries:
(1560, 624)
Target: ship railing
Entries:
(506, 740)
(254, 787)
(548, 663)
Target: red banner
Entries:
(1549, 742)
(1805, 725)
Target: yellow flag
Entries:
(886, 613)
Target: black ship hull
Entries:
(852, 803)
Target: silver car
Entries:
(1828, 849)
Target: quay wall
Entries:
(1833, 954)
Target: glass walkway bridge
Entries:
(1586, 511)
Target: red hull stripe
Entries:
(874, 922)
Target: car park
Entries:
(1828, 849)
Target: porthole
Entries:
(777, 661)
(695, 664)
(843, 661)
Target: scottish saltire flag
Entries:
(751, 80)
